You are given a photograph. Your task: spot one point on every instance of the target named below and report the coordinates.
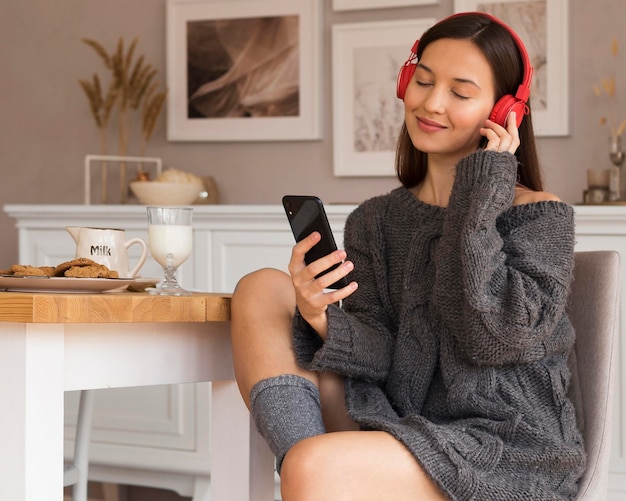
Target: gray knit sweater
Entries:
(456, 340)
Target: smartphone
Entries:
(306, 214)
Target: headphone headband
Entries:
(523, 91)
(507, 103)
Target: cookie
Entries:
(80, 267)
(90, 271)
(19, 270)
(60, 269)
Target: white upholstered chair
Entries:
(75, 472)
(594, 311)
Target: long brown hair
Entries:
(504, 58)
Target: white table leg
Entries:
(242, 466)
(201, 489)
(31, 422)
(261, 466)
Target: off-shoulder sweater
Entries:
(456, 340)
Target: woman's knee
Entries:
(301, 469)
(316, 469)
(360, 466)
(264, 298)
(260, 285)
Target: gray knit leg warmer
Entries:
(286, 409)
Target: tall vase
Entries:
(616, 191)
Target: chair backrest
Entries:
(594, 311)
(76, 472)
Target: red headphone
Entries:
(506, 104)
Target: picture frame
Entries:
(225, 87)
(543, 27)
(377, 4)
(367, 115)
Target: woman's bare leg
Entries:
(263, 305)
(333, 399)
(354, 466)
(288, 404)
(284, 399)
(262, 311)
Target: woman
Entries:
(444, 373)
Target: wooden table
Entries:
(51, 343)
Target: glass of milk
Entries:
(170, 240)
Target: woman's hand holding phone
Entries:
(312, 293)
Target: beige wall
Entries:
(46, 128)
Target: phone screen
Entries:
(306, 214)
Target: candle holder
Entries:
(598, 186)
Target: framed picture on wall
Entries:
(543, 27)
(378, 4)
(248, 70)
(367, 115)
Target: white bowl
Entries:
(165, 193)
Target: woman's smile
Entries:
(428, 125)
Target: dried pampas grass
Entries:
(132, 86)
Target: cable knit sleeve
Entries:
(503, 272)
(361, 335)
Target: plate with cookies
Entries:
(76, 275)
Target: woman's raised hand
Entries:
(499, 138)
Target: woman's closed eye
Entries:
(457, 94)
(460, 96)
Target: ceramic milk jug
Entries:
(109, 247)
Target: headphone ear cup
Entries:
(404, 78)
(504, 106)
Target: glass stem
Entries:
(170, 272)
